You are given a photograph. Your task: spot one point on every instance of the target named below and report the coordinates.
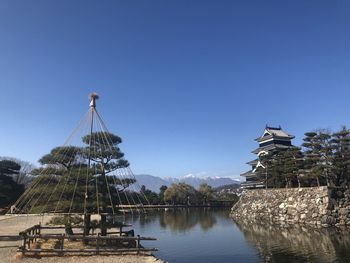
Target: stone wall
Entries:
(312, 206)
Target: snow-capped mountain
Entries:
(154, 183)
(212, 181)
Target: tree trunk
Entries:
(103, 224)
(327, 177)
(318, 181)
(87, 226)
(103, 221)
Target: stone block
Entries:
(282, 205)
(291, 211)
(344, 211)
(329, 220)
(319, 201)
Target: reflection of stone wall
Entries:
(296, 243)
(312, 205)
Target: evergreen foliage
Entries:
(66, 183)
(318, 156)
(147, 196)
(162, 190)
(341, 157)
(323, 160)
(9, 189)
(24, 175)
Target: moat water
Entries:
(210, 235)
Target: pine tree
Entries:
(271, 171)
(281, 167)
(162, 189)
(318, 156)
(80, 179)
(9, 189)
(341, 159)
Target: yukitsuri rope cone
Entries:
(84, 179)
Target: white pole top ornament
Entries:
(93, 97)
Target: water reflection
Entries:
(181, 220)
(297, 243)
(195, 236)
(210, 235)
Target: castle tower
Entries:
(272, 139)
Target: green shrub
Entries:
(66, 220)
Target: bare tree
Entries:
(24, 176)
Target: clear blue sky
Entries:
(188, 85)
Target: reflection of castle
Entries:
(296, 243)
(272, 139)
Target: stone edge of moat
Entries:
(318, 206)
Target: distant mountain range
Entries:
(154, 183)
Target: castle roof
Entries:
(254, 162)
(271, 147)
(248, 174)
(273, 132)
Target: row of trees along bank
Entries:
(185, 194)
(323, 159)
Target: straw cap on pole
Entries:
(93, 97)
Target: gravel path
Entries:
(8, 246)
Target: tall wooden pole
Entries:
(87, 214)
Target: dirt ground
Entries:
(9, 242)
